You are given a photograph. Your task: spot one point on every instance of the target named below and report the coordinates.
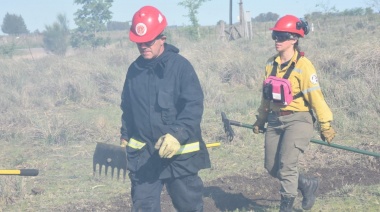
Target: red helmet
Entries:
(292, 24)
(147, 24)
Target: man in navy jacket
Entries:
(162, 104)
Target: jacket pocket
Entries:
(134, 157)
(168, 110)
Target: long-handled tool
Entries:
(109, 155)
(230, 135)
(114, 156)
(20, 172)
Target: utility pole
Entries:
(233, 32)
(230, 12)
(245, 21)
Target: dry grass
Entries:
(53, 110)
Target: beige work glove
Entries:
(327, 132)
(167, 145)
(123, 143)
(258, 126)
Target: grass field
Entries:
(55, 109)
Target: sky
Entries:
(39, 13)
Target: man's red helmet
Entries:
(292, 24)
(147, 24)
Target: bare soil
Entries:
(252, 192)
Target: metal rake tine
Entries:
(111, 156)
(100, 169)
(118, 174)
(112, 171)
(106, 171)
(227, 127)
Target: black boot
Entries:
(286, 203)
(308, 188)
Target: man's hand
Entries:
(167, 145)
(258, 126)
(327, 132)
(123, 143)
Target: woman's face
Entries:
(283, 40)
(284, 45)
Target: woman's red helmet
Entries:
(147, 24)
(292, 24)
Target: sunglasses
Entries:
(150, 43)
(282, 36)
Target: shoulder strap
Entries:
(290, 69)
(300, 54)
(298, 95)
(288, 72)
(274, 69)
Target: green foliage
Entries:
(332, 11)
(91, 19)
(14, 25)
(82, 39)
(117, 25)
(56, 36)
(54, 110)
(192, 6)
(375, 4)
(8, 49)
(264, 17)
(326, 8)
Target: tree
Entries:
(56, 36)
(326, 9)
(374, 4)
(264, 17)
(192, 7)
(14, 25)
(91, 19)
(116, 25)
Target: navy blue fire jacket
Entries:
(160, 96)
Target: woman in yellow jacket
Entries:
(290, 121)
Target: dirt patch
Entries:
(248, 192)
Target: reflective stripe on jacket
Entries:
(187, 148)
(161, 96)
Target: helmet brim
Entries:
(282, 30)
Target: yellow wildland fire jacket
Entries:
(303, 79)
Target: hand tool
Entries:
(230, 135)
(114, 156)
(20, 172)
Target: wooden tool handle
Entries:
(21, 172)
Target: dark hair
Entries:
(296, 45)
(159, 36)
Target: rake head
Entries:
(109, 155)
(227, 127)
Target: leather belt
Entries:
(283, 112)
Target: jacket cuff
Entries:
(324, 125)
(180, 134)
(124, 137)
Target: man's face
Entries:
(152, 49)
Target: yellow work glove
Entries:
(327, 132)
(258, 126)
(167, 145)
(123, 143)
